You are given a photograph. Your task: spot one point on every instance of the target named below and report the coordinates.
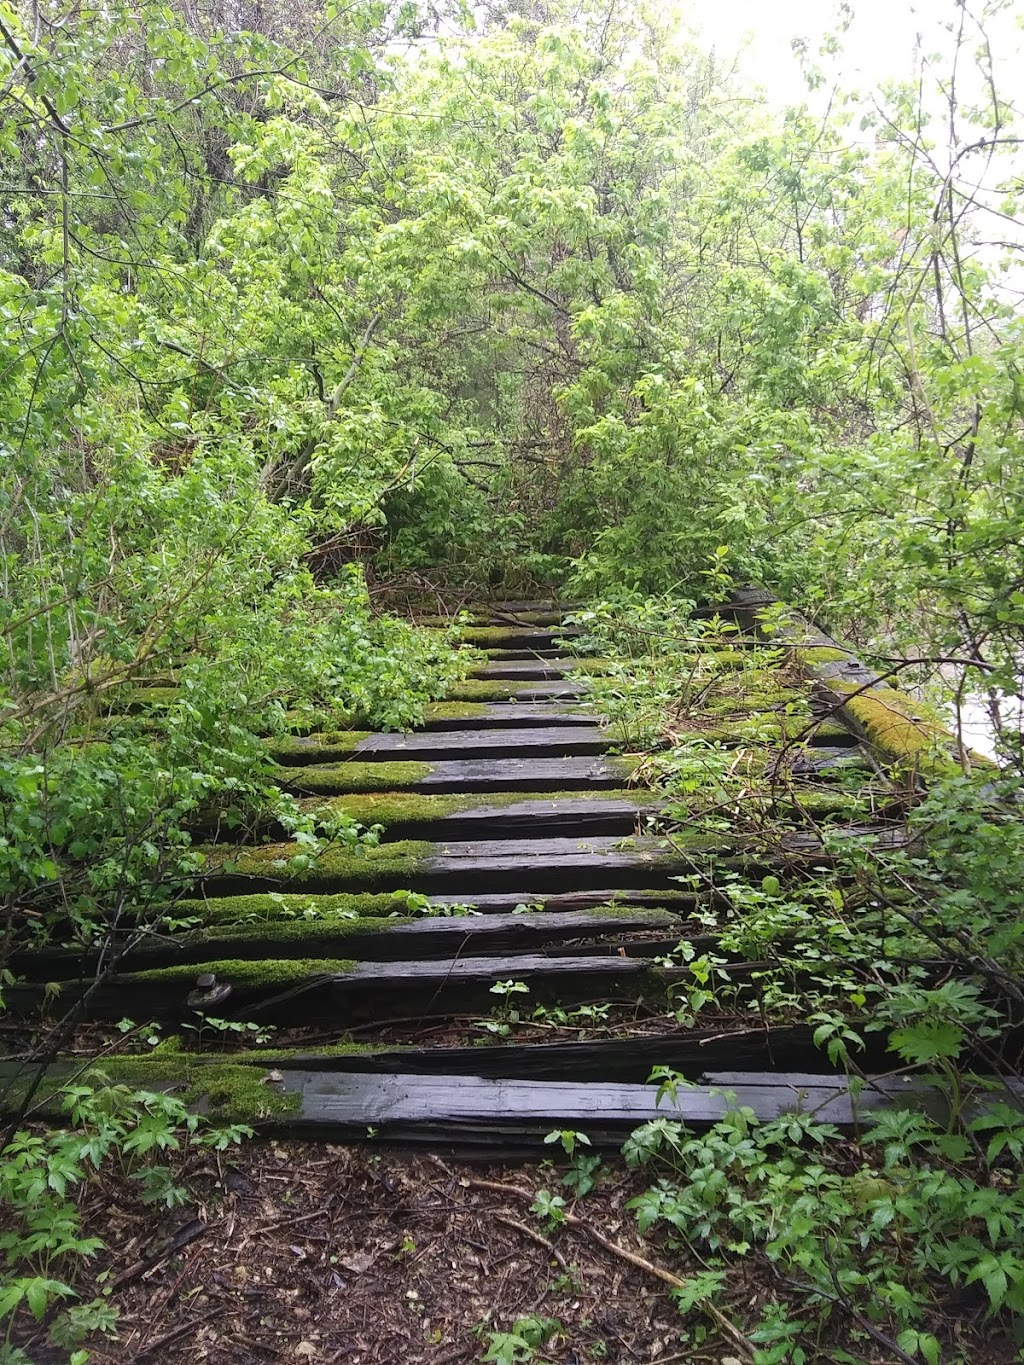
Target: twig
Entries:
(188, 1234)
(183, 1329)
(534, 1236)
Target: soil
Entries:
(327, 1255)
(339, 1254)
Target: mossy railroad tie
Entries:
(519, 848)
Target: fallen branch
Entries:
(732, 1333)
(534, 1236)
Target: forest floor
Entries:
(331, 1254)
(345, 1254)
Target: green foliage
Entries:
(118, 1134)
(830, 1231)
(521, 1344)
(543, 301)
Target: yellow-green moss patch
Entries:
(324, 747)
(365, 867)
(453, 710)
(902, 728)
(145, 699)
(336, 779)
(269, 907)
(593, 667)
(762, 726)
(497, 636)
(388, 808)
(227, 1091)
(809, 655)
(283, 934)
(245, 974)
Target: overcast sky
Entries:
(878, 45)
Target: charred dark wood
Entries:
(471, 1110)
(375, 991)
(475, 775)
(426, 939)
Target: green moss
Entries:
(484, 689)
(724, 658)
(763, 726)
(809, 655)
(594, 667)
(754, 702)
(496, 636)
(453, 710)
(398, 862)
(290, 933)
(270, 907)
(229, 1091)
(335, 779)
(326, 747)
(893, 721)
(388, 808)
(247, 975)
(910, 732)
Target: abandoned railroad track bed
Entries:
(526, 877)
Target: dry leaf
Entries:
(358, 1262)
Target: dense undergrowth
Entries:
(881, 1243)
(294, 326)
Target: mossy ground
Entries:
(485, 689)
(364, 868)
(320, 747)
(501, 636)
(270, 907)
(287, 933)
(436, 711)
(337, 779)
(246, 974)
(387, 808)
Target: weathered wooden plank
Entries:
(825, 762)
(526, 670)
(539, 817)
(900, 729)
(693, 1053)
(462, 775)
(501, 655)
(680, 902)
(474, 1110)
(344, 994)
(527, 613)
(553, 864)
(381, 940)
(502, 636)
(439, 746)
(510, 690)
(518, 715)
